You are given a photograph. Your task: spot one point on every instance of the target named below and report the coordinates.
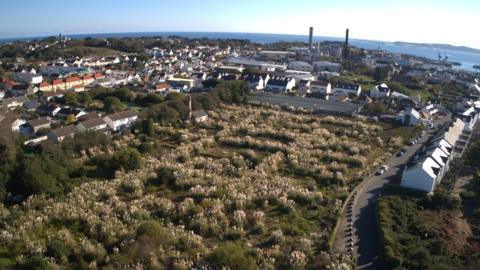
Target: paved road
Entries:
(365, 236)
(365, 231)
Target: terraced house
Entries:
(426, 170)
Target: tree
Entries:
(128, 159)
(473, 155)
(147, 127)
(380, 74)
(211, 83)
(123, 94)
(231, 256)
(70, 99)
(113, 104)
(71, 119)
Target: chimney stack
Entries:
(310, 39)
(345, 53)
(189, 107)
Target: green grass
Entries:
(132, 105)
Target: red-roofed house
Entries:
(87, 79)
(99, 76)
(8, 83)
(78, 88)
(72, 81)
(45, 86)
(162, 87)
(58, 84)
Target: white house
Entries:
(323, 87)
(410, 117)
(470, 118)
(121, 120)
(422, 175)
(380, 91)
(429, 111)
(256, 82)
(426, 173)
(441, 158)
(347, 89)
(475, 91)
(280, 84)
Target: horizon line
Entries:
(23, 38)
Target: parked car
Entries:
(401, 152)
(382, 170)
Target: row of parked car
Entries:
(349, 230)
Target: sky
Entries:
(428, 21)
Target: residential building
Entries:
(380, 91)
(23, 90)
(422, 175)
(95, 124)
(199, 116)
(121, 120)
(410, 117)
(45, 86)
(50, 110)
(14, 102)
(256, 81)
(59, 134)
(280, 84)
(31, 105)
(323, 87)
(66, 111)
(347, 89)
(429, 166)
(35, 125)
(27, 77)
(162, 87)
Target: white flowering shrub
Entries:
(272, 179)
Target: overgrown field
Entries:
(252, 188)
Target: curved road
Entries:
(361, 237)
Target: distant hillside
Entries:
(441, 46)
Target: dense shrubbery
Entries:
(110, 99)
(231, 256)
(410, 235)
(50, 169)
(175, 107)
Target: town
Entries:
(355, 120)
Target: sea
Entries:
(466, 59)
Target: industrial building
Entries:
(316, 106)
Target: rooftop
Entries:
(317, 105)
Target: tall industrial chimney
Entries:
(345, 50)
(310, 39)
